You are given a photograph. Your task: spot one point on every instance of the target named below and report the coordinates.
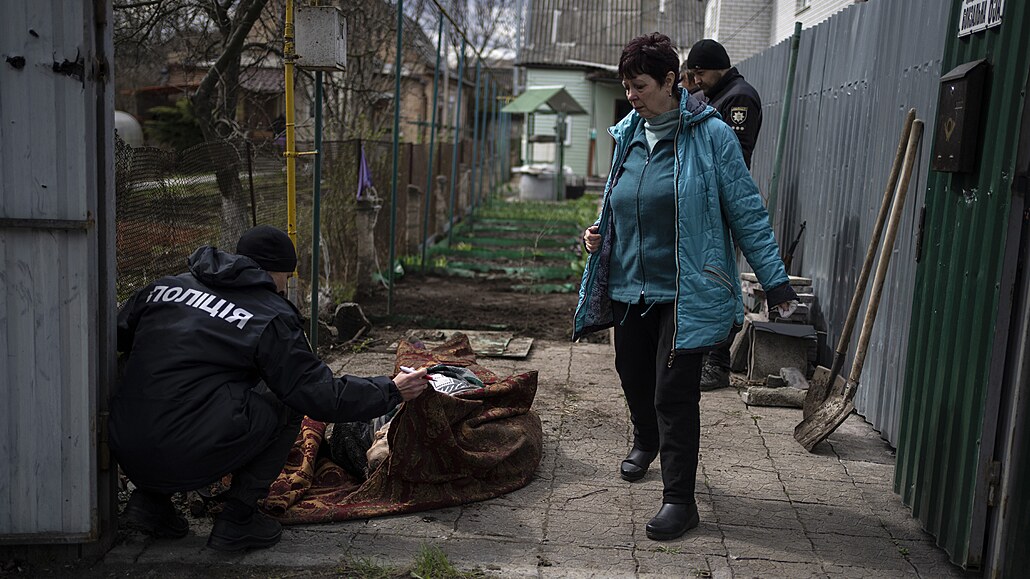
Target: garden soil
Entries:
(449, 302)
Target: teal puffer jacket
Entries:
(717, 203)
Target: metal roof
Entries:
(554, 97)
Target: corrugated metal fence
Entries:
(857, 75)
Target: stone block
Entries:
(794, 378)
(776, 345)
(763, 396)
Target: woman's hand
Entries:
(411, 384)
(787, 308)
(591, 239)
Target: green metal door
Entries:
(946, 469)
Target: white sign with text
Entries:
(979, 15)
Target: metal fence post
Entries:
(396, 153)
(457, 141)
(432, 144)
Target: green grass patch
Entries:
(523, 253)
(538, 273)
(515, 242)
(432, 563)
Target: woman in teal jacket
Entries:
(662, 266)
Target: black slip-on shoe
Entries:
(259, 531)
(672, 521)
(155, 515)
(634, 466)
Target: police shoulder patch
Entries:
(738, 115)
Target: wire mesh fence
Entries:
(171, 202)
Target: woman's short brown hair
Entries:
(652, 54)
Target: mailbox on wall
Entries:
(955, 146)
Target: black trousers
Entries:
(664, 400)
(250, 482)
(720, 356)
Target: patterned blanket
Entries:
(444, 450)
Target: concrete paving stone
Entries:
(602, 452)
(805, 490)
(488, 519)
(535, 494)
(758, 513)
(609, 529)
(434, 524)
(784, 545)
(855, 439)
(591, 498)
(748, 482)
(396, 551)
(560, 558)
(876, 553)
(775, 420)
(661, 560)
(848, 572)
(928, 559)
(730, 438)
(815, 468)
(706, 538)
(893, 514)
(301, 549)
(762, 568)
(592, 349)
(339, 528)
(594, 429)
(788, 446)
(750, 458)
(871, 473)
(848, 520)
(719, 567)
(570, 466)
(192, 548)
(128, 550)
(495, 557)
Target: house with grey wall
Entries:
(576, 44)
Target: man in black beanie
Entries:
(218, 374)
(741, 108)
(728, 92)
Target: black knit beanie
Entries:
(708, 54)
(270, 247)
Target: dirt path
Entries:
(434, 301)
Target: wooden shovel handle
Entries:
(885, 252)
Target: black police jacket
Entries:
(740, 107)
(185, 412)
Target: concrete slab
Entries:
(768, 508)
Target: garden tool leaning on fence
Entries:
(825, 378)
(822, 417)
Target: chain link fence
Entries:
(171, 202)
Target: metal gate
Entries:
(56, 268)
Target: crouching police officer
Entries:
(217, 379)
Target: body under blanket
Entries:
(444, 450)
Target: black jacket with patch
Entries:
(186, 411)
(739, 105)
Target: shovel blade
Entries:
(827, 418)
(819, 389)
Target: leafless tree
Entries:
(209, 38)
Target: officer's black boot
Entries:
(240, 526)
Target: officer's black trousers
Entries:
(251, 481)
(664, 399)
